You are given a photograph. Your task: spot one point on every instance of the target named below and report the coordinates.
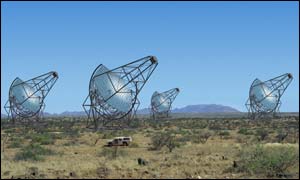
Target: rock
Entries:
(142, 162)
(224, 158)
(72, 174)
(235, 164)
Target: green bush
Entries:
(171, 143)
(262, 134)
(215, 127)
(43, 139)
(158, 141)
(281, 136)
(34, 152)
(109, 134)
(270, 161)
(223, 134)
(7, 131)
(201, 137)
(245, 131)
(164, 139)
(15, 143)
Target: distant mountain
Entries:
(144, 111)
(73, 113)
(200, 108)
(66, 114)
(205, 108)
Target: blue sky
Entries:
(212, 51)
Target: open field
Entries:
(195, 147)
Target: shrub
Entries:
(171, 143)
(223, 134)
(240, 139)
(34, 152)
(142, 162)
(43, 139)
(108, 135)
(268, 160)
(7, 131)
(201, 137)
(72, 133)
(281, 136)
(262, 134)
(215, 127)
(245, 131)
(158, 141)
(182, 132)
(164, 139)
(16, 143)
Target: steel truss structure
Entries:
(41, 85)
(272, 89)
(99, 109)
(167, 100)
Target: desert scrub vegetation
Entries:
(33, 152)
(261, 134)
(245, 131)
(281, 136)
(269, 161)
(43, 139)
(72, 142)
(72, 133)
(224, 134)
(199, 155)
(11, 130)
(16, 142)
(201, 136)
(112, 152)
(164, 139)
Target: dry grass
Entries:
(80, 157)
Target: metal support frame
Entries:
(135, 75)
(278, 84)
(42, 85)
(170, 95)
